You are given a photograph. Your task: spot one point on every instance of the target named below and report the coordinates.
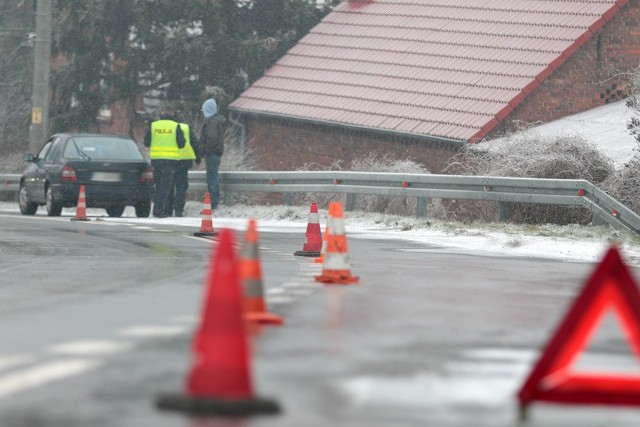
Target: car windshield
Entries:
(102, 148)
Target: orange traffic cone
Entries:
(81, 209)
(206, 226)
(325, 239)
(313, 238)
(219, 382)
(336, 268)
(251, 275)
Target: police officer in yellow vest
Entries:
(165, 138)
(187, 155)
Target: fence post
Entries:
(503, 211)
(350, 204)
(422, 207)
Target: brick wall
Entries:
(280, 145)
(593, 76)
(119, 120)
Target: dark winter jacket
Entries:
(212, 135)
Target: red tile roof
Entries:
(446, 69)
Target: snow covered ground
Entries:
(569, 243)
(605, 126)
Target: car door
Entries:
(47, 167)
(33, 174)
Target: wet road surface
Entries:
(96, 320)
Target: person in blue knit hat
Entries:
(212, 146)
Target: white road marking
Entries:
(201, 239)
(11, 361)
(186, 319)
(90, 347)
(309, 275)
(301, 292)
(43, 374)
(153, 331)
(307, 285)
(280, 299)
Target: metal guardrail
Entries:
(9, 183)
(503, 190)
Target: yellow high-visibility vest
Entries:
(164, 144)
(186, 153)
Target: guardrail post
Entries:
(288, 199)
(422, 207)
(350, 204)
(597, 220)
(227, 198)
(503, 211)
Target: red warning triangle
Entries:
(611, 287)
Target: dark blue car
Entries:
(112, 168)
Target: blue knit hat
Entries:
(209, 108)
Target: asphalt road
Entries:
(96, 320)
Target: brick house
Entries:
(423, 78)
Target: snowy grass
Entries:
(359, 220)
(572, 243)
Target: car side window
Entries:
(44, 150)
(53, 152)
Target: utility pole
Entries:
(42, 63)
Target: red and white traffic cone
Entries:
(313, 238)
(206, 226)
(336, 268)
(81, 209)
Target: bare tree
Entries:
(633, 102)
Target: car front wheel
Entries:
(27, 207)
(54, 208)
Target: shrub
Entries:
(623, 185)
(399, 205)
(527, 154)
(371, 203)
